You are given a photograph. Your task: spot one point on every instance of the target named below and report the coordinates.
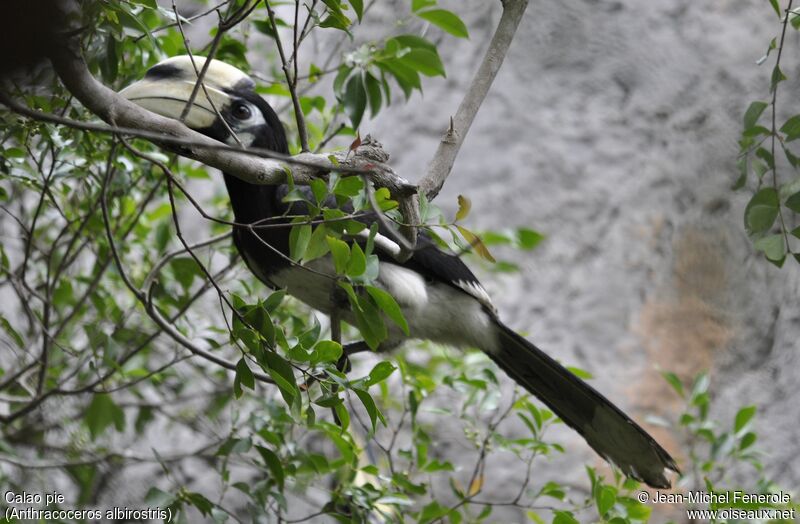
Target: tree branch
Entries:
(442, 162)
(120, 112)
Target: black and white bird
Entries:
(440, 298)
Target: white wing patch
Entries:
(476, 290)
(406, 286)
(382, 241)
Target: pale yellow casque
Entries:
(168, 96)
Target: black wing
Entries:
(429, 260)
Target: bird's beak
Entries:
(168, 97)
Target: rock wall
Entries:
(612, 129)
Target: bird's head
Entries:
(230, 93)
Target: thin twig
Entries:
(253, 165)
(152, 311)
(784, 230)
(201, 75)
(190, 19)
(442, 162)
(290, 81)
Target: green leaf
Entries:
(265, 26)
(274, 300)
(433, 512)
(753, 113)
(580, 373)
(355, 99)
(528, 238)
(416, 5)
(258, 317)
(243, 377)
(63, 294)
(11, 332)
(358, 7)
(317, 245)
(564, 517)
(426, 62)
(160, 498)
(200, 502)
(776, 7)
(234, 445)
(281, 372)
(766, 156)
(755, 131)
(342, 75)
(327, 351)
(777, 77)
(384, 199)
(335, 19)
(380, 372)
(791, 128)
(605, 499)
(358, 262)
(773, 247)
(700, 386)
(341, 253)
(369, 321)
(748, 440)
(388, 305)
(328, 402)
(446, 21)
(273, 463)
(407, 78)
(743, 417)
(789, 189)
(103, 412)
(369, 405)
(299, 238)
(793, 202)
(761, 211)
(412, 42)
(184, 269)
(348, 186)
(374, 95)
(343, 415)
(674, 381)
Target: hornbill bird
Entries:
(439, 296)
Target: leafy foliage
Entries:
(101, 388)
(771, 217)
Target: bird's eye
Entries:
(241, 112)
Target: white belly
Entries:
(433, 311)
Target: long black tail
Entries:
(608, 430)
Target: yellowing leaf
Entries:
(476, 485)
(464, 205)
(476, 243)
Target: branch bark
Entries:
(442, 162)
(114, 109)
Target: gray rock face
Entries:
(612, 129)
